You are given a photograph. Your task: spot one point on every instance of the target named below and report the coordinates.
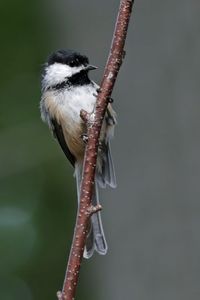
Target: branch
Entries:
(94, 123)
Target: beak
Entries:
(90, 67)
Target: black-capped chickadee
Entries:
(66, 89)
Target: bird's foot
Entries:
(110, 100)
(84, 138)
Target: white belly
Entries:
(72, 102)
(65, 107)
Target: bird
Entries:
(66, 89)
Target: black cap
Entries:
(68, 57)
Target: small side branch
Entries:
(85, 116)
(85, 210)
(94, 209)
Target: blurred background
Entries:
(152, 219)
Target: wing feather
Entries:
(58, 133)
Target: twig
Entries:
(94, 123)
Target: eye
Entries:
(72, 63)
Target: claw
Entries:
(98, 90)
(84, 138)
(110, 100)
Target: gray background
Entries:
(152, 219)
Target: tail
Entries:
(95, 238)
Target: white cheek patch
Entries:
(58, 73)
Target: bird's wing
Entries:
(58, 134)
(110, 116)
(106, 172)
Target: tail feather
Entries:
(96, 238)
(99, 237)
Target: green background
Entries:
(37, 192)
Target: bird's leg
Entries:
(84, 138)
(99, 90)
(110, 99)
